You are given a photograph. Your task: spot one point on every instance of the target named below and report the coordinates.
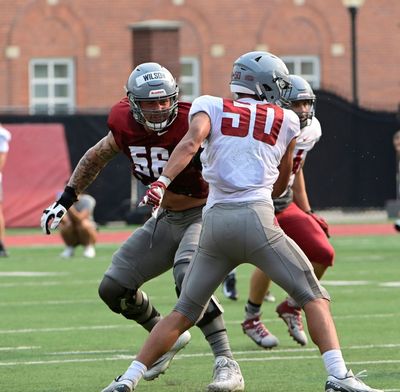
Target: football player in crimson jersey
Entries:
(298, 221)
(245, 141)
(146, 126)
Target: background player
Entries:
(79, 228)
(5, 137)
(298, 221)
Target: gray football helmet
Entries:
(262, 74)
(302, 91)
(152, 82)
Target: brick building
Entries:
(75, 55)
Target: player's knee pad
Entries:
(133, 304)
(214, 309)
(110, 292)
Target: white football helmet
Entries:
(262, 74)
(152, 82)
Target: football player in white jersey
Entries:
(5, 137)
(298, 221)
(245, 141)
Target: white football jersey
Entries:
(305, 142)
(5, 137)
(247, 141)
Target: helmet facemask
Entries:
(301, 91)
(306, 115)
(278, 93)
(155, 119)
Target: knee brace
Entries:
(133, 304)
(214, 310)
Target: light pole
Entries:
(353, 6)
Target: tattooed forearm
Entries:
(91, 164)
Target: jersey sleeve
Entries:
(293, 125)
(309, 136)
(118, 119)
(206, 104)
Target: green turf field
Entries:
(56, 335)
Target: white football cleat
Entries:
(292, 317)
(119, 385)
(258, 332)
(227, 376)
(162, 364)
(350, 383)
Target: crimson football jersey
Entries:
(149, 152)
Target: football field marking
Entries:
(19, 348)
(124, 357)
(16, 274)
(31, 274)
(129, 326)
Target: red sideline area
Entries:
(55, 239)
(120, 236)
(36, 169)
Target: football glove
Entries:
(53, 214)
(321, 221)
(155, 193)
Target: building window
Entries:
(189, 82)
(52, 86)
(305, 66)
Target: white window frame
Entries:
(315, 78)
(51, 81)
(193, 79)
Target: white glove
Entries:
(53, 213)
(155, 194)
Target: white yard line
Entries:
(31, 274)
(233, 322)
(121, 357)
(19, 348)
(41, 303)
(17, 274)
(50, 283)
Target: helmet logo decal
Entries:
(157, 93)
(236, 75)
(151, 76)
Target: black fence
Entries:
(352, 166)
(354, 163)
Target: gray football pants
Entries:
(235, 233)
(156, 247)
